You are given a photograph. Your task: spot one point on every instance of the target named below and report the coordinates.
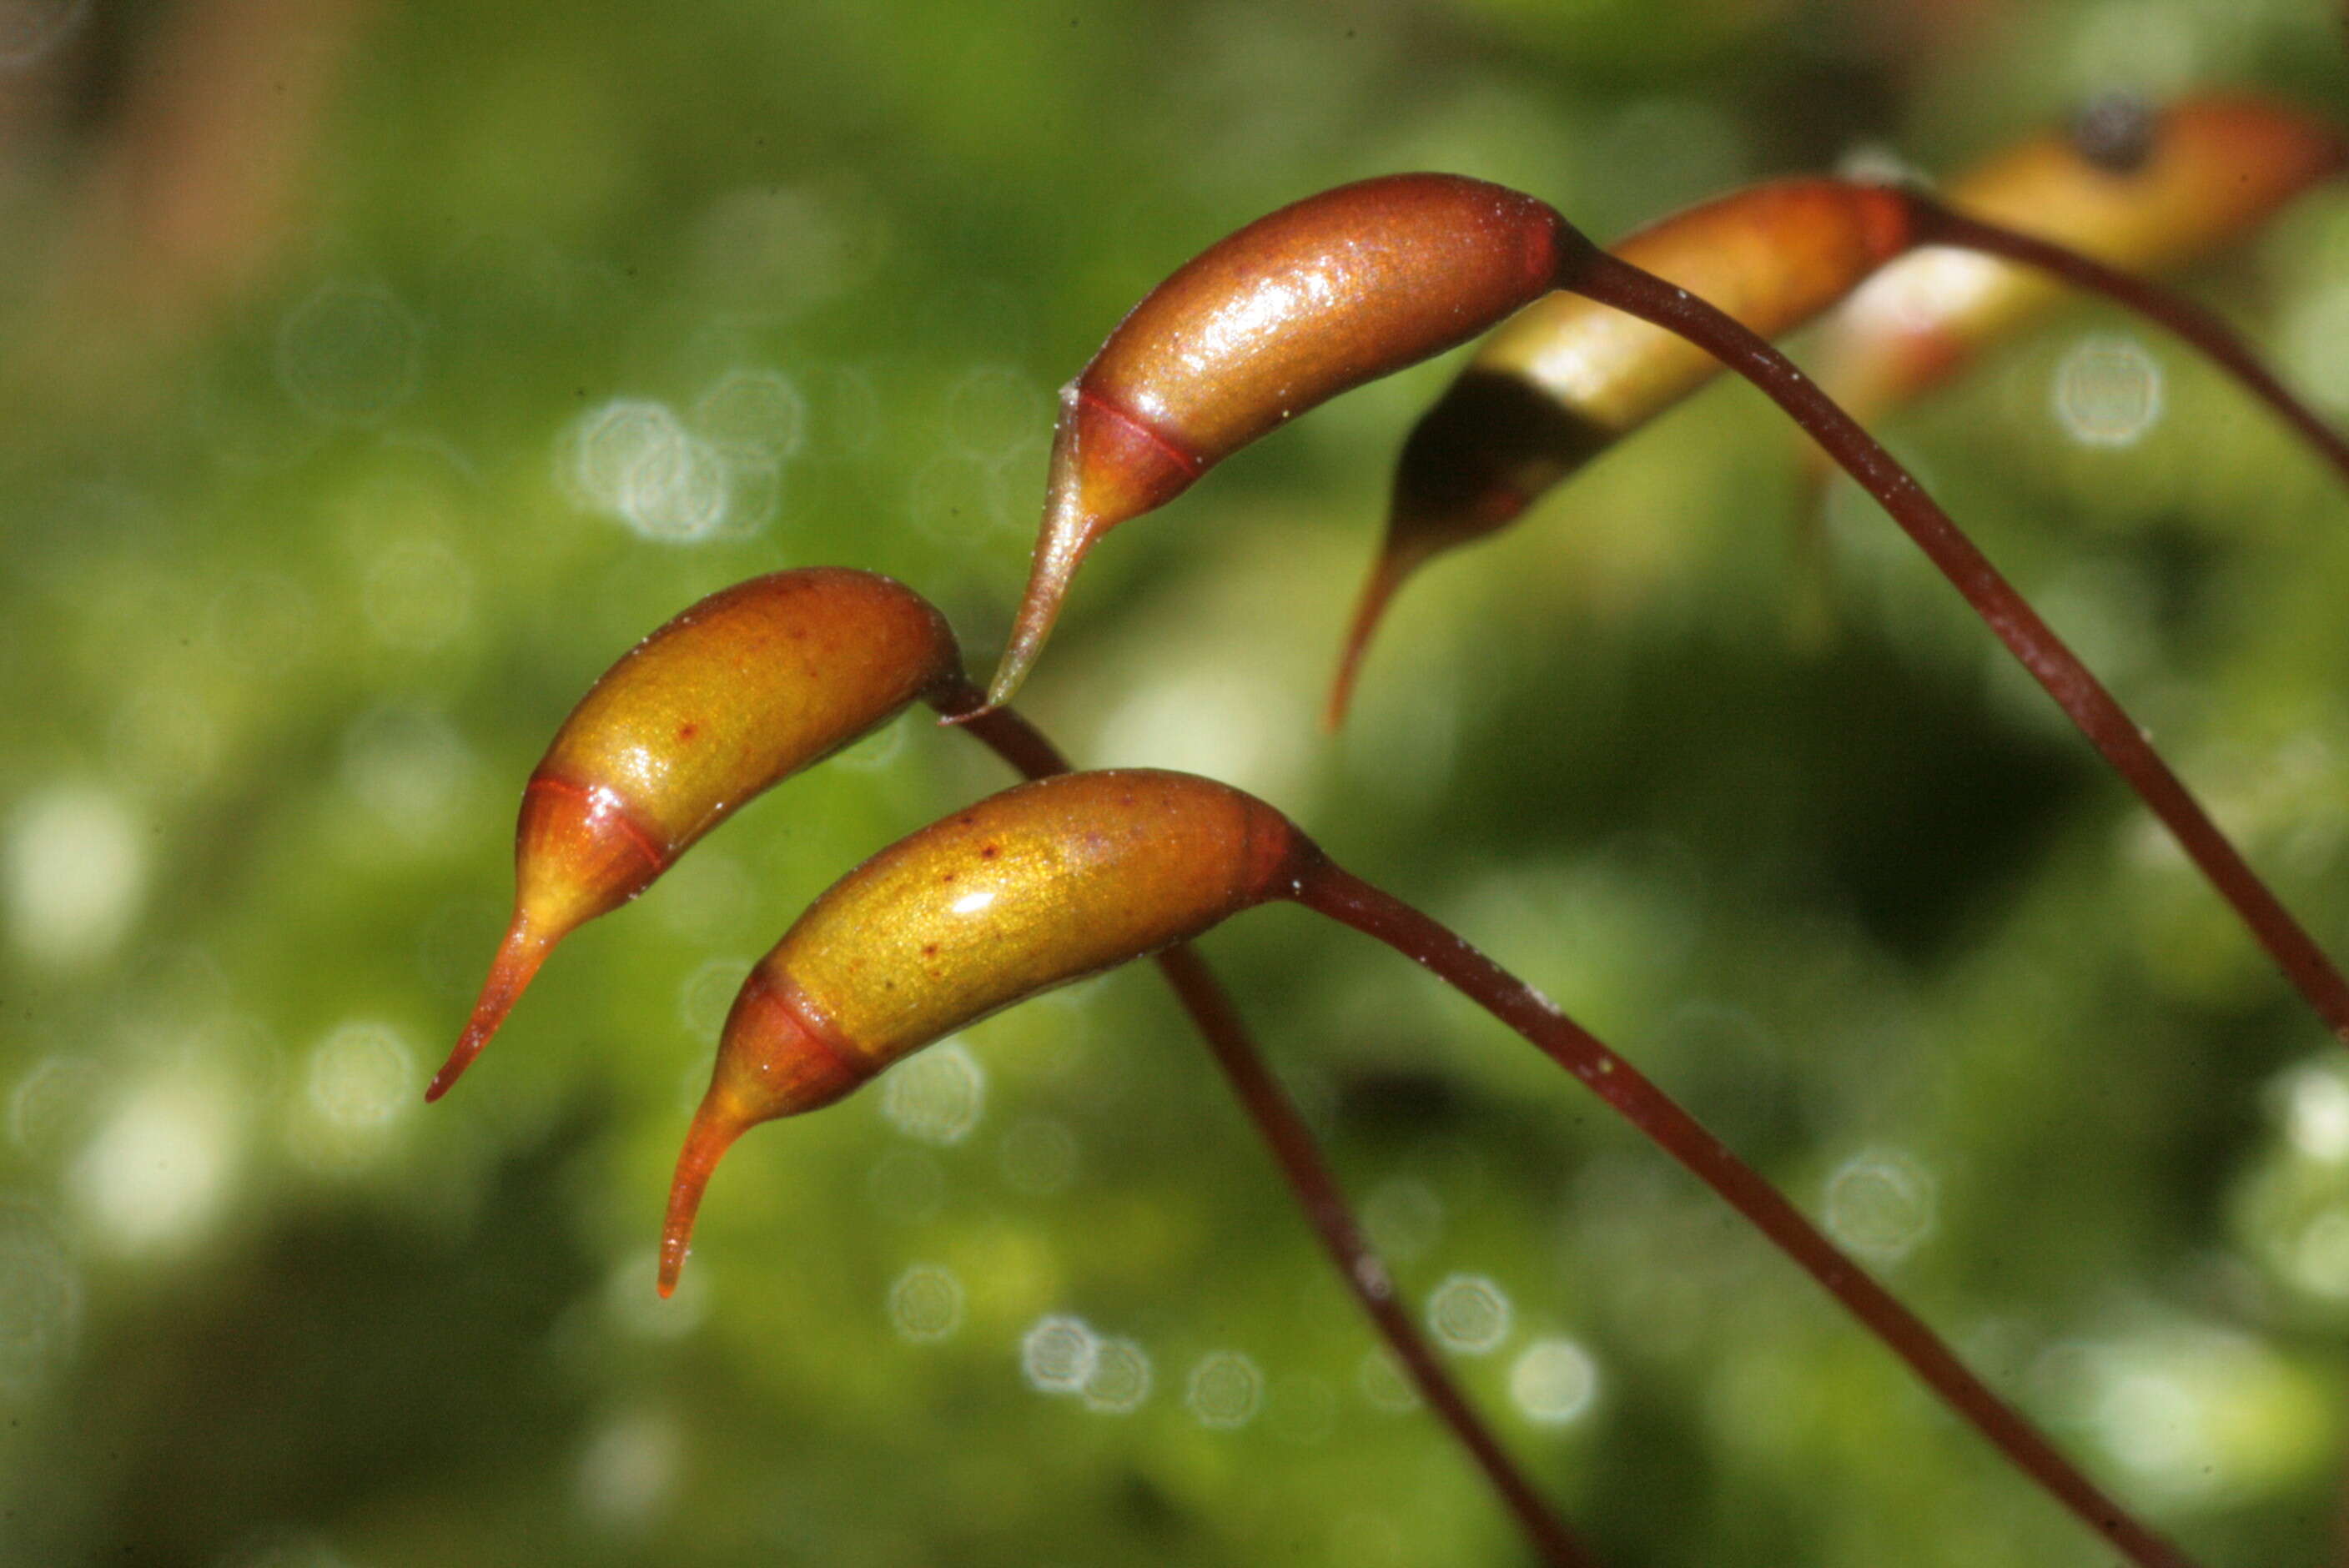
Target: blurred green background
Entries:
(374, 374)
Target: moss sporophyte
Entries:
(1072, 874)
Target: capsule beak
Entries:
(525, 947)
(1068, 536)
(1069, 531)
(1393, 568)
(1108, 466)
(720, 1121)
(771, 1062)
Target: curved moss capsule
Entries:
(2149, 190)
(1299, 306)
(1566, 375)
(2136, 188)
(1028, 889)
(736, 693)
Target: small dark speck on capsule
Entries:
(990, 851)
(929, 950)
(950, 876)
(688, 731)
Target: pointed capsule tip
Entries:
(956, 701)
(716, 1126)
(1386, 576)
(518, 958)
(1040, 607)
(1071, 527)
(1402, 555)
(1342, 688)
(1010, 676)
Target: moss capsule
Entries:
(2145, 190)
(1028, 889)
(2136, 188)
(1566, 375)
(739, 692)
(1299, 306)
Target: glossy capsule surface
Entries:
(2147, 195)
(1289, 312)
(2137, 189)
(1028, 889)
(1566, 377)
(736, 693)
(1772, 257)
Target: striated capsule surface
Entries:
(736, 693)
(1292, 310)
(1028, 889)
(2144, 188)
(1566, 375)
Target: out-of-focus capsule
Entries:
(2147, 189)
(2137, 190)
(1566, 375)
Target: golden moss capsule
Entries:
(1568, 376)
(739, 692)
(2147, 191)
(1028, 889)
(1299, 306)
(2137, 190)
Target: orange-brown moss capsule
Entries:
(2135, 189)
(1029, 889)
(1568, 376)
(1057, 880)
(2146, 195)
(1299, 306)
(736, 693)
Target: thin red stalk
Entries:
(1346, 898)
(1617, 282)
(1341, 1237)
(1937, 225)
(1293, 1148)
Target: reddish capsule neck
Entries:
(525, 947)
(1109, 464)
(775, 1058)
